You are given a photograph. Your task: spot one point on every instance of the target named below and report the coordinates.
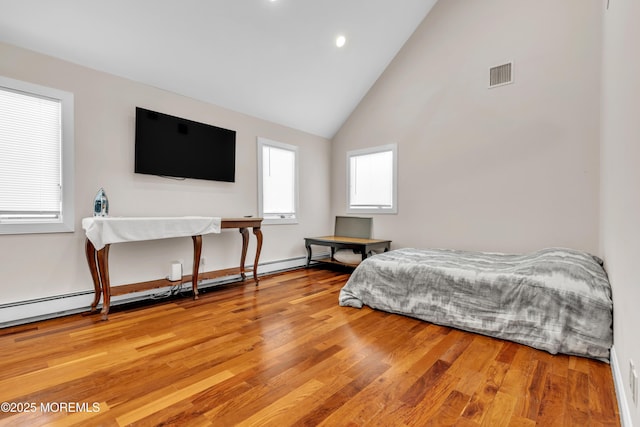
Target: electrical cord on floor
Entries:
(172, 291)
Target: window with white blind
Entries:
(36, 158)
(372, 180)
(277, 182)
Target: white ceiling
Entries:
(275, 60)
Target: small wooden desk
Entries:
(338, 242)
(98, 261)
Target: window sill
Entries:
(41, 228)
(372, 211)
(279, 221)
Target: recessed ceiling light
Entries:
(341, 40)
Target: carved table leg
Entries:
(90, 251)
(258, 232)
(103, 268)
(245, 244)
(197, 251)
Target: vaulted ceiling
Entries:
(276, 60)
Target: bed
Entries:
(555, 299)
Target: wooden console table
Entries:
(361, 245)
(98, 259)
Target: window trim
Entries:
(394, 176)
(262, 142)
(66, 223)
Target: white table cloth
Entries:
(102, 231)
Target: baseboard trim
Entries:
(22, 312)
(620, 386)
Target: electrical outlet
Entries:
(633, 382)
(203, 260)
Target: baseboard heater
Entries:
(22, 312)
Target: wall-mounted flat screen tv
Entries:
(174, 147)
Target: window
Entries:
(372, 180)
(36, 158)
(277, 182)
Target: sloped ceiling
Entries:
(276, 60)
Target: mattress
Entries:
(555, 299)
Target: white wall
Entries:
(513, 168)
(35, 266)
(620, 183)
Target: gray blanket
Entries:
(558, 300)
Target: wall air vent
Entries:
(501, 74)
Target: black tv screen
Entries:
(170, 146)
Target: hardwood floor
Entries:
(285, 353)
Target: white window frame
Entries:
(393, 209)
(65, 223)
(269, 219)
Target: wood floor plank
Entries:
(285, 353)
(489, 382)
(450, 411)
(577, 410)
(554, 400)
(281, 410)
(163, 398)
(500, 410)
